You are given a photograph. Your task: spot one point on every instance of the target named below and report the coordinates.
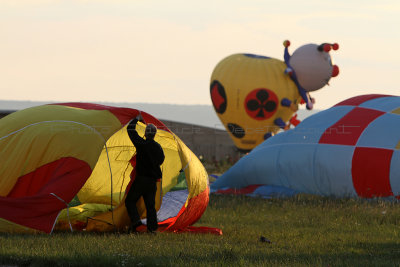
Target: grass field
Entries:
(300, 231)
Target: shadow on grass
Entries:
(361, 254)
(20, 260)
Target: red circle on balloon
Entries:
(261, 104)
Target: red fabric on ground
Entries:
(242, 191)
(371, 172)
(34, 206)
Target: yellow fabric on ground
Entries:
(120, 150)
(25, 142)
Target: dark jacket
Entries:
(149, 154)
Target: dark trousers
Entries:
(145, 187)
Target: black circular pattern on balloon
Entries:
(218, 97)
(236, 130)
(261, 104)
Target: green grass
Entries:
(304, 231)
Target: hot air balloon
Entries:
(349, 150)
(67, 166)
(255, 96)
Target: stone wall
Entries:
(211, 143)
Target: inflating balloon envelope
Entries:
(67, 166)
(349, 150)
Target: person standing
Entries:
(149, 157)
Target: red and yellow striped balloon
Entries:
(78, 155)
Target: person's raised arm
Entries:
(132, 133)
(132, 125)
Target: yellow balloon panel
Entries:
(25, 142)
(112, 172)
(98, 188)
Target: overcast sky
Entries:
(164, 51)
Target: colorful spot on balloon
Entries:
(261, 104)
(371, 171)
(218, 96)
(236, 130)
(267, 135)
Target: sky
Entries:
(165, 51)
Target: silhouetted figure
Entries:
(149, 157)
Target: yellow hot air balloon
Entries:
(255, 96)
(67, 166)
